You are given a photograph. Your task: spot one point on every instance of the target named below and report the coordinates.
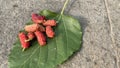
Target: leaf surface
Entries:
(67, 40)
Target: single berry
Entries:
(50, 23)
(49, 32)
(37, 18)
(32, 27)
(41, 38)
(22, 38)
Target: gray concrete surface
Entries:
(98, 49)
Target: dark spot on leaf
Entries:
(15, 5)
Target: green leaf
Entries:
(60, 48)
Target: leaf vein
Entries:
(29, 57)
(39, 57)
(65, 36)
(46, 58)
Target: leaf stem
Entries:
(28, 40)
(23, 49)
(66, 2)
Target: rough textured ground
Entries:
(98, 49)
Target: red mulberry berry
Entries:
(49, 32)
(22, 38)
(41, 38)
(37, 18)
(50, 23)
(32, 27)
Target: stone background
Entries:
(97, 17)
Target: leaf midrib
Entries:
(65, 36)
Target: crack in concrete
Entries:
(112, 34)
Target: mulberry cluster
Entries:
(39, 29)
